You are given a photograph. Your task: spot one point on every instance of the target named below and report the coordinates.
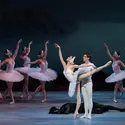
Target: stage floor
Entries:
(33, 112)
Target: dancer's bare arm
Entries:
(83, 66)
(108, 51)
(17, 49)
(121, 64)
(29, 46)
(60, 55)
(3, 62)
(34, 62)
(46, 48)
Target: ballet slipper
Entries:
(13, 102)
(114, 100)
(75, 115)
(84, 116)
(44, 100)
(89, 117)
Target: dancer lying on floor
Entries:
(98, 108)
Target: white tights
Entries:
(87, 96)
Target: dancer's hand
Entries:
(105, 45)
(47, 42)
(20, 41)
(30, 42)
(57, 46)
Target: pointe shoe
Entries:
(89, 117)
(13, 102)
(114, 100)
(108, 63)
(44, 100)
(29, 97)
(75, 115)
(84, 116)
(22, 96)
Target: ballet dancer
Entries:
(24, 70)
(118, 75)
(98, 108)
(44, 73)
(86, 88)
(10, 75)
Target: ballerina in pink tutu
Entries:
(24, 70)
(10, 75)
(118, 75)
(43, 73)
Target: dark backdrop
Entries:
(78, 26)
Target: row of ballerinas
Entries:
(41, 73)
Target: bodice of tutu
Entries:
(43, 66)
(10, 67)
(116, 67)
(27, 60)
(68, 73)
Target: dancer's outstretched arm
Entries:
(108, 51)
(46, 49)
(34, 62)
(25, 56)
(85, 75)
(17, 49)
(83, 66)
(60, 55)
(28, 52)
(3, 62)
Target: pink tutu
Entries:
(26, 70)
(47, 75)
(115, 77)
(12, 76)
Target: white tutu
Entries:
(72, 78)
(47, 75)
(12, 76)
(26, 70)
(115, 77)
(73, 83)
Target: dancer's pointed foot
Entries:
(13, 102)
(22, 96)
(84, 116)
(75, 115)
(108, 63)
(29, 97)
(114, 100)
(89, 117)
(44, 100)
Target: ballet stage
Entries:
(32, 112)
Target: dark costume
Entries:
(97, 108)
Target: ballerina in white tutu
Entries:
(24, 70)
(73, 76)
(79, 75)
(10, 75)
(118, 75)
(43, 73)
